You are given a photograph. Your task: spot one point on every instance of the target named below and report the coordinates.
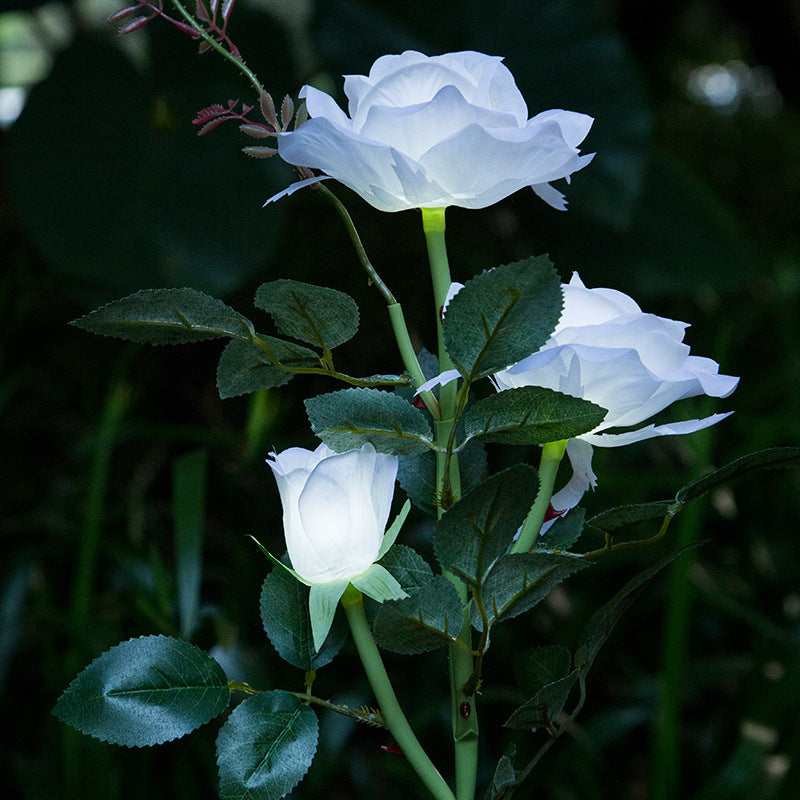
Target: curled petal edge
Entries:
(291, 189)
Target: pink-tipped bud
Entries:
(392, 748)
(133, 25)
(123, 13)
(182, 26)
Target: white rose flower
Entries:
(431, 132)
(335, 510)
(607, 350)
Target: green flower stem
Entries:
(409, 357)
(396, 315)
(433, 225)
(215, 45)
(396, 721)
(552, 453)
(448, 482)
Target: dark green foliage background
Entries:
(106, 190)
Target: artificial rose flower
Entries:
(431, 132)
(335, 509)
(607, 350)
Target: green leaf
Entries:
(502, 316)
(518, 581)
(244, 368)
(266, 747)
(417, 474)
(531, 415)
(145, 691)
(351, 417)
(315, 314)
(479, 528)
(602, 622)
(287, 623)
(773, 458)
(537, 667)
(623, 516)
(431, 618)
(564, 532)
(167, 316)
(408, 567)
(543, 708)
(504, 777)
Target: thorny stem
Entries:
(448, 486)
(366, 715)
(396, 315)
(215, 45)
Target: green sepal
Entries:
(285, 616)
(277, 562)
(323, 598)
(379, 584)
(394, 529)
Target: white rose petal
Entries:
(431, 132)
(335, 509)
(607, 350)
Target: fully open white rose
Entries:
(431, 132)
(605, 349)
(335, 510)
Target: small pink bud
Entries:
(392, 748)
(122, 14)
(133, 25)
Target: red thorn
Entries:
(392, 748)
(551, 513)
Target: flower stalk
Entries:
(552, 453)
(396, 721)
(448, 483)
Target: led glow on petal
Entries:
(607, 350)
(431, 132)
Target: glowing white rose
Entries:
(605, 349)
(335, 510)
(431, 132)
